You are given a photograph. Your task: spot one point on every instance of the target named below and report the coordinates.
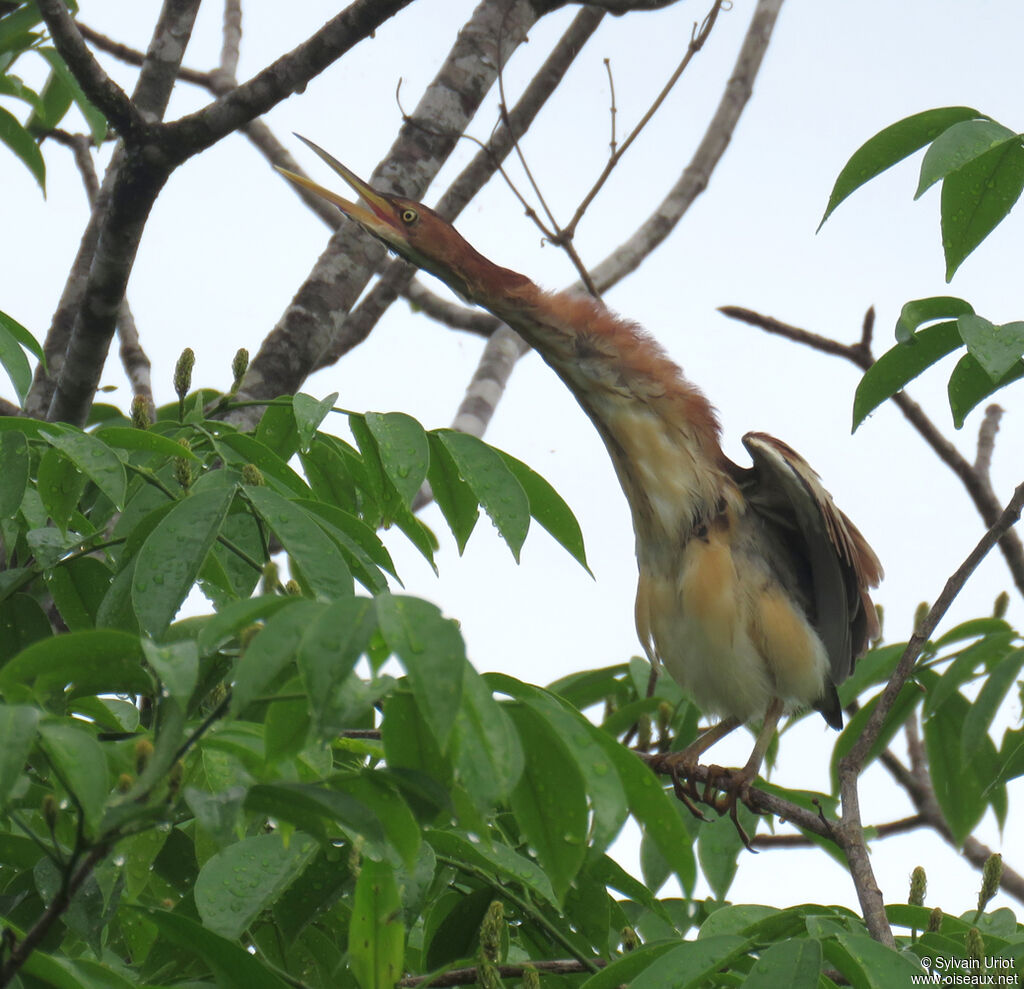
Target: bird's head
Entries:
(410, 229)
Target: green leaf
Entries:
(252, 451)
(892, 145)
(869, 964)
(493, 483)
(232, 966)
(981, 713)
(246, 877)
(364, 551)
(692, 963)
(29, 342)
(11, 85)
(21, 142)
(318, 558)
(331, 644)
(170, 559)
(13, 472)
(404, 451)
(13, 358)
(102, 661)
(996, 348)
(376, 937)
(959, 786)
(969, 386)
(907, 699)
(409, 742)
(430, 649)
(455, 934)
(94, 459)
(549, 508)
(453, 495)
(22, 622)
(277, 430)
(60, 485)
(93, 117)
(956, 146)
(400, 827)
(605, 789)
(310, 807)
(145, 440)
(269, 652)
(977, 197)
(654, 810)
(328, 476)
(795, 963)
(79, 760)
(623, 970)
(177, 666)
(486, 749)
(17, 734)
(550, 800)
(494, 858)
(225, 625)
(78, 587)
(895, 368)
(309, 413)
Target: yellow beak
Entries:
(380, 214)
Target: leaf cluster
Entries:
(980, 164)
(21, 33)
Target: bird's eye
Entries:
(409, 216)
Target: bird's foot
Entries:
(734, 785)
(681, 770)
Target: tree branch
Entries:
(316, 318)
(289, 74)
(980, 492)
(96, 84)
(850, 831)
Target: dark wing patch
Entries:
(787, 493)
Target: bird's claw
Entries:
(686, 793)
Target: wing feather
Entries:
(786, 491)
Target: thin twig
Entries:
(850, 831)
(987, 442)
(697, 40)
(132, 56)
(985, 500)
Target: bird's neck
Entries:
(659, 429)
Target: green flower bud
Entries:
(918, 887)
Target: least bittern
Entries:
(753, 586)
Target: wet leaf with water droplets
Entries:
(237, 883)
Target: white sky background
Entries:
(228, 243)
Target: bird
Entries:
(753, 588)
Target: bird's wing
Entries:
(784, 489)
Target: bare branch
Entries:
(987, 442)
(985, 500)
(132, 56)
(279, 80)
(694, 180)
(95, 83)
(696, 44)
(231, 47)
(450, 313)
(850, 766)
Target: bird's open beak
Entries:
(379, 215)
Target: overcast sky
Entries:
(228, 243)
